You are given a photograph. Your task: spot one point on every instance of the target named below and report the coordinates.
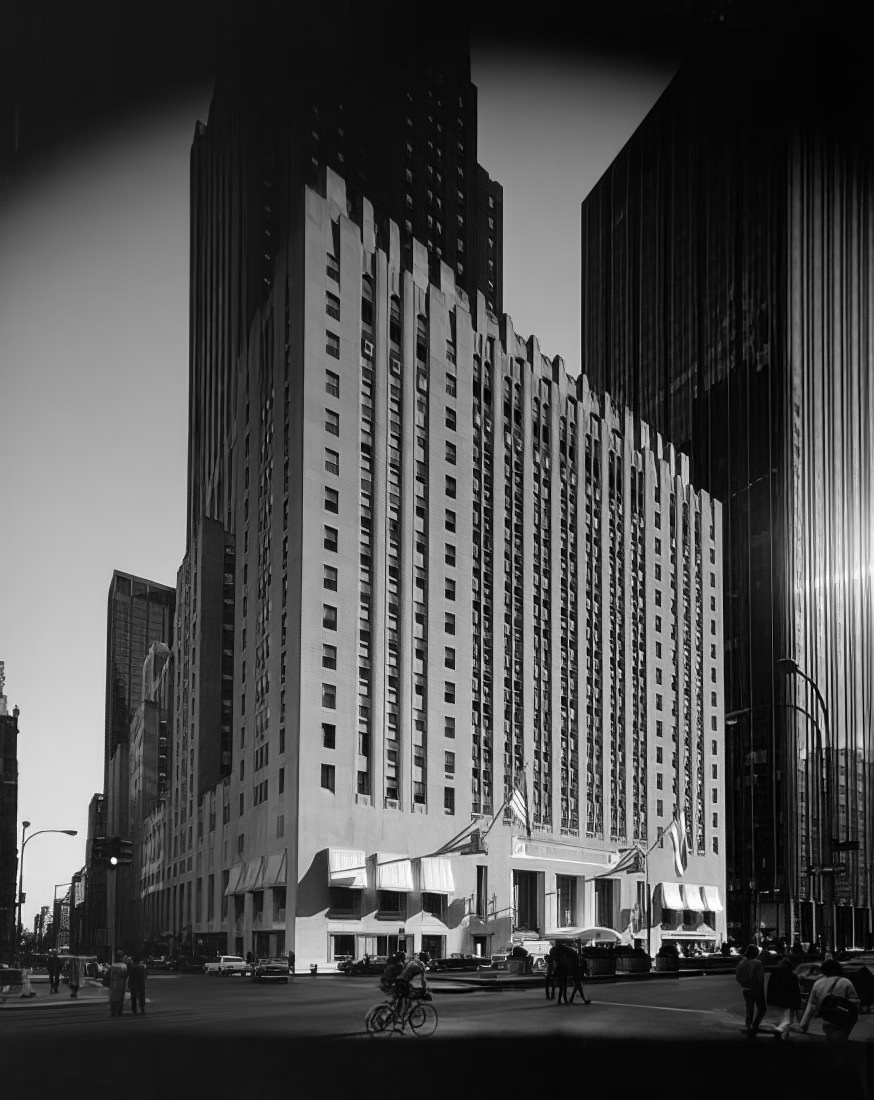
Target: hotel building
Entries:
(449, 569)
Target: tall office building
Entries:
(8, 823)
(727, 262)
(456, 572)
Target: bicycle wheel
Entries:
(423, 1019)
(378, 1019)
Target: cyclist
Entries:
(391, 973)
(414, 971)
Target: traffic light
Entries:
(119, 851)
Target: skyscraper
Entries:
(727, 265)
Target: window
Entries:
(449, 622)
(332, 461)
(332, 305)
(332, 383)
(332, 422)
(449, 691)
(450, 458)
(391, 901)
(330, 578)
(329, 617)
(332, 500)
(450, 485)
(449, 657)
(449, 763)
(449, 589)
(449, 800)
(330, 540)
(332, 345)
(329, 656)
(332, 268)
(450, 520)
(450, 389)
(329, 696)
(329, 735)
(281, 780)
(328, 777)
(449, 726)
(449, 555)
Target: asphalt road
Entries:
(233, 1037)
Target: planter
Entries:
(602, 964)
(633, 964)
(667, 964)
(518, 966)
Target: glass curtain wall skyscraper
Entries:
(726, 270)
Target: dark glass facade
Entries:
(726, 275)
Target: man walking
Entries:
(54, 970)
(76, 971)
(751, 976)
(136, 982)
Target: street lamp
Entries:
(790, 667)
(25, 825)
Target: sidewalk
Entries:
(89, 992)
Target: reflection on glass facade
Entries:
(727, 294)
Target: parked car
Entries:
(224, 965)
(271, 970)
(368, 964)
(459, 961)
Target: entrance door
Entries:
(525, 900)
(606, 907)
(481, 946)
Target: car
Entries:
(276, 969)
(368, 964)
(459, 961)
(224, 965)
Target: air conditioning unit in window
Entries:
(392, 804)
(363, 799)
(419, 808)
(395, 365)
(367, 347)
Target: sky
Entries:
(93, 377)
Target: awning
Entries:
(233, 879)
(672, 898)
(693, 899)
(254, 875)
(394, 873)
(347, 867)
(711, 899)
(274, 872)
(435, 873)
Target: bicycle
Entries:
(392, 1017)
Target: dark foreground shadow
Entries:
(193, 1066)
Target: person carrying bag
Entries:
(834, 1000)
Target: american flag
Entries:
(519, 802)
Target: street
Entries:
(234, 1037)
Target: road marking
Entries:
(662, 1008)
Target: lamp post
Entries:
(25, 825)
(789, 667)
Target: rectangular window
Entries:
(329, 735)
(449, 589)
(329, 656)
(332, 268)
(330, 540)
(329, 696)
(332, 422)
(329, 617)
(330, 578)
(281, 780)
(449, 691)
(450, 487)
(449, 763)
(332, 500)
(450, 458)
(449, 726)
(449, 555)
(450, 419)
(449, 800)
(332, 461)
(332, 344)
(450, 385)
(449, 657)
(332, 305)
(450, 520)
(332, 383)
(328, 780)
(391, 901)
(449, 622)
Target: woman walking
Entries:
(117, 983)
(784, 992)
(832, 984)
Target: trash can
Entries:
(314, 969)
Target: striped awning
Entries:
(394, 873)
(233, 879)
(672, 897)
(712, 900)
(693, 899)
(435, 874)
(253, 877)
(275, 871)
(347, 867)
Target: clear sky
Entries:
(93, 380)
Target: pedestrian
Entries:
(136, 981)
(75, 976)
(551, 964)
(838, 1020)
(291, 962)
(751, 976)
(117, 982)
(578, 969)
(54, 971)
(784, 992)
